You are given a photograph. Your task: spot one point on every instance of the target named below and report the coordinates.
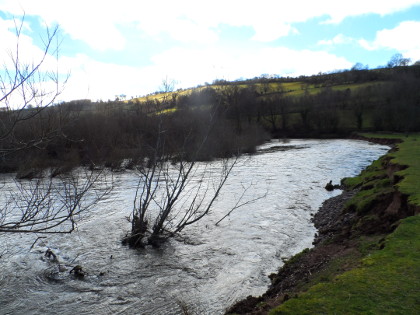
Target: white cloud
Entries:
(337, 40)
(190, 31)
(197, 66)
(82, 20)
(98, 80)
(28, 53)
(402, 38)
(91, 79)
(296, 62)
(338, 11)
(97, 22)
(195, 28)
(267, 32)
(367, 45)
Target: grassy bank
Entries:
(382, 272)
(387, 281)
(409, 155)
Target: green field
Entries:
(294, 89)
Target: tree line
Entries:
(115, 133)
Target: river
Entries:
(205, 269)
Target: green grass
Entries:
(409, 155)
(295, 89)
(384, 281)
(166, 111)
(373, 183)
(348, 260)
(299, 88)
(355, 86)
(387, 282)
(372, 172)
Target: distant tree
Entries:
(358, 66)
(248, 102)
(275, 111)
(269, 110)
(358, 108)
(167, 85)
(284, 108)
(265, 86)
(305, 107)
(231, 102)
(325, 116)
(398, 60)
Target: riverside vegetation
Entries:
(367, 255)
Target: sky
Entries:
(129, 47)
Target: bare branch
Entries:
(27, 89)
(240, 204)
(52, 205)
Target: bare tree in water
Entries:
(173, 195)
(174, 190)
(175, 187)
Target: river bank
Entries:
(352, 227)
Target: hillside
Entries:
(245, 112)
(321, 105)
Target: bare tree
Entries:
(270, 112)
(49, 205)
(28, 89)
(171, 197)
(174, 189)
(173, 193)
(230, 95)
(398, 60)
(167, 85)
